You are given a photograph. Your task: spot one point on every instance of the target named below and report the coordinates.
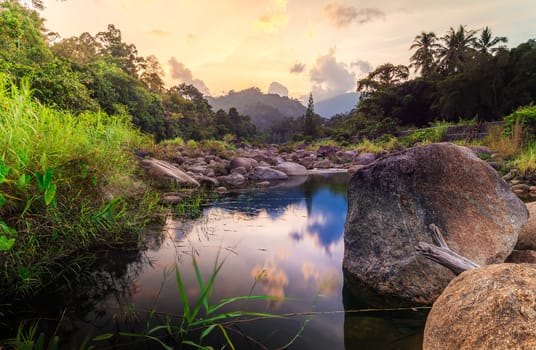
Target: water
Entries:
(285, 242)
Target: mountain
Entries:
(337, 104)
(264, 109)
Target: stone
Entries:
(307, 162)
(527, 235)
(265, 174)
(247, 163)
(493, 307)
(234, 180)
(392, 202)
(220, 189)
(239, 170)
(327, 151)
(207, 181)
(291, 169)
(164, 174)
(322, 164)
(364, 159)
(171, 200)
(354, 168)
(522, 256)
(263, 184)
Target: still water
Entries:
(285, 241)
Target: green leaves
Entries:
(45, 185)
(6, 243)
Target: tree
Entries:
(424, 57)
(310, 127)
(384, 76)
(486, 42)
(457, 48)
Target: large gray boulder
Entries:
(493, 307)
(391, 204)
(262, 173)
(292, 169)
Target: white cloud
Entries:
(181, 73)
(341, 15)
(331, 78)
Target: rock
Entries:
(522, 256)
(527, 235)
(171, 200)
(234, 180)
(354, 168)
(220, 189)
(481, 150)
(247, 163)
(393, 201)
(263, 184)
(493, 307)
(165, 174)
(265, 173)
(364, 159)
(322, 164)
(327, 151)
(239, 170)
(307, 162)
(292, 169)
(207, 181)
(521, 188)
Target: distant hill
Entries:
(337, 104)
(264, 109)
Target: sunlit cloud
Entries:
(275, 18)
(363, 66)
(160, 33)
(331, 78)
(273, 281)
(178, 71)
(341, 15)
(297, 68)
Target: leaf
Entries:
(23, 181)
(2, 200)
(4, 228)
(184, 297)
(40, 181)
(104, 336)
(44, 161)
(5, 243)
(50, 194)
(3, 171)
(47, 178)
(85, 170)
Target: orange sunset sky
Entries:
(306, 45)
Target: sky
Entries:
(318, 46)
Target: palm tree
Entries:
(423, 58)
(485, 43)
(458, 47)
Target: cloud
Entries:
(160, 33)
(364, 66)
(341, 15)
(183, 74)
(297, 68)
(275, 18)
(331, 78)
(278, 89)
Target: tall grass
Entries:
(54, 169)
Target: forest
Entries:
(465, 74)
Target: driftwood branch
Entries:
(441, 253)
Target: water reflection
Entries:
(285, 241)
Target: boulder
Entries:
(493, 307)
(364, 159)
(261, 173)
(233, 180)
(247, 163)
(522, 256)
(292, 169)
(308, 162)
(164, 174)
(393, 201)
(327, 151)
(527, 235)
(322, 164)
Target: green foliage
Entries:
(525, 162)
(54, 167)
(424, 136)
(525, 116)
